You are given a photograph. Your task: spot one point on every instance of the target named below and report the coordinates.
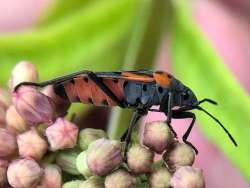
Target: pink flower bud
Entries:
(14, 121)
(52, 177)
(3, 172)
(31, 144)
(33, 106)
(5, 99)
(120, 179)
(24, 173)
(157, 136)
(103, 156)
(179, 155)
(61, 105)
(8, 144)
(23, 72)
(188, 176)
(62, 134)
(140, 159)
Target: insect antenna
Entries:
(215, 119)
(208, 100)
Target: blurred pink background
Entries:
(226, 23)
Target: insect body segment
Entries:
(139, 90)
(130, 88)
(82, 89)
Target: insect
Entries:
(139, 90)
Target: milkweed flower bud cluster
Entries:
(40, 148)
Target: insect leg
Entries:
(124, 136)
(170, 104)
(181, 115)
(169, 114)
(135, 117)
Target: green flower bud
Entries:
(72, 184)
(82, 166)
(160, 178)
(88, 135)
(67, 161)
(93, 182)
(179, 155)
(140, 159)
(120, 179)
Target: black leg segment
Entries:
(127, 135)
(182, 115)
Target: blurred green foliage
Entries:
(94, 37)
(110, 35)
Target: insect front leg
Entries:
(137, 114)
(183, 115)
(169, 99)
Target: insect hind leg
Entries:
(183, 115)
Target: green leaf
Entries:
(198, 65)
(141, 53)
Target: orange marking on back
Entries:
(162, 79)
(136, 77)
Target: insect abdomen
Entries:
(82, 89)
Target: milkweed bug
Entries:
(139, 90)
